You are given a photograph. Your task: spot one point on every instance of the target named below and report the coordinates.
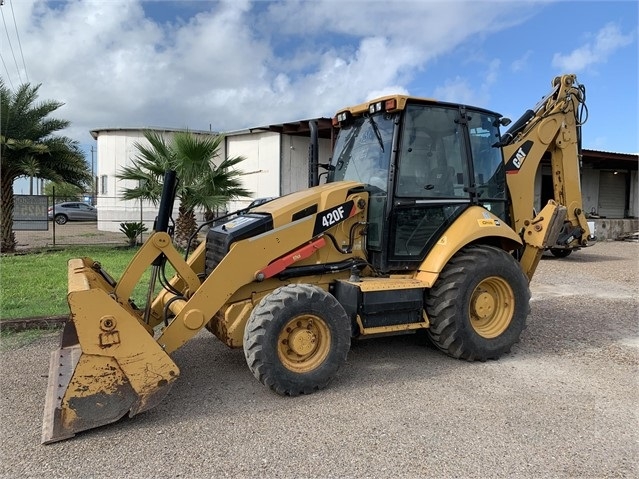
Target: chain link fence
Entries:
(77, 223)
(112, 212)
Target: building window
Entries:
(104, 184)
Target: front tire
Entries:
(479, 304)
(296, 339)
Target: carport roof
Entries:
(294, 128)
(610, 160)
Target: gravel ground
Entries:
(73, 233)
(562, 404)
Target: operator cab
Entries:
(423, 163)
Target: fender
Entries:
(463, 232)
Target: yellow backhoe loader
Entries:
(425, 223)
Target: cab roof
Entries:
(401, 101)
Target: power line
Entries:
(7, 70)
(10, 46)
(19, 42)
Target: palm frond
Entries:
(28, 147)
(159, 151)
(195, 153)
(202, 184)
(147, 168)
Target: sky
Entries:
(232, 64)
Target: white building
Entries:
(276, 163)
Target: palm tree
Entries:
(28, 147)
(202, 184)
(62, 191)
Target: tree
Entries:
(202, 184)
(63, 191)
(28, 147)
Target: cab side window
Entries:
(488, 164)
(487, 159)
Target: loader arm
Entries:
(114, 357)
(552, 128)
(231, 274)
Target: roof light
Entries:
(390, 104)
(342, 117)
(376, 107)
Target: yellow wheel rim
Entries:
(492, 306)
(304, 343)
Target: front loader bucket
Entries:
(108, 363)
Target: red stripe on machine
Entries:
(285, 261)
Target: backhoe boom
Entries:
(552, 129)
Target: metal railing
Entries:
(112, 212)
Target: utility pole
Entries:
(94, 182)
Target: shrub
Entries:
(132, 231)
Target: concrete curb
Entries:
(44, 322)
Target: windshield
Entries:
(362, 150)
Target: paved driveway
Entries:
(562, 404)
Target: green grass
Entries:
(35, 284)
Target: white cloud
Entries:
(239, 64)
(492, 74)
(461, 89)
(521, 63)
(607, 41)
(456, 90)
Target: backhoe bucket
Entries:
(108, 363)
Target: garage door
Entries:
(612, 194)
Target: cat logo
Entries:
(520, 156)
(516, 161)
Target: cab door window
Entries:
(432, 181)
(432, 163)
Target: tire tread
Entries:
(442, 303)
(262, 319)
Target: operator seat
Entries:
(442, 177)
(413, 175)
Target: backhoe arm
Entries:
(552, 129)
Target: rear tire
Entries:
(296, 339)
(479, 304)
(560, 252)
(61, 219)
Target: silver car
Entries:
(72, 211)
